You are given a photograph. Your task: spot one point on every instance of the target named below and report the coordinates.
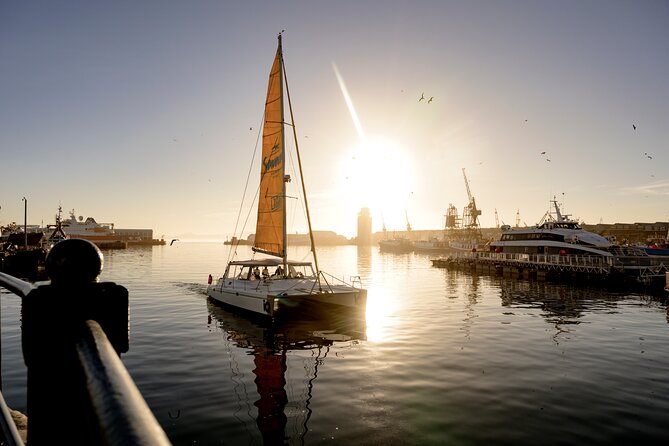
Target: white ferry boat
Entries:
(554, 235)
(88, 229)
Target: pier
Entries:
(632, 268)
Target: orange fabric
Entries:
(270, 225)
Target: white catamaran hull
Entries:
(269, 297)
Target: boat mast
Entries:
(299, 163)
(283, 165)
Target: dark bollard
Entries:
(54, 318)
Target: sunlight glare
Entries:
(379, 175)
(349, 103)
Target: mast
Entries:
(283, 165)
(299, 163)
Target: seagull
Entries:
(422, 96)
(543, 153)
(650, 157)
(634, 126)
(174, 240)
(548, 160)
(430, 100)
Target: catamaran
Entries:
(271, 285)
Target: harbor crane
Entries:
(471, 213)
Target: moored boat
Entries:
(556, 233)
(396, 245)
(101, 234)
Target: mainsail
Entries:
(270, 228)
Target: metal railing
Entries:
(549, 259)
(73, 331)
(642, 266)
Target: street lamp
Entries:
(25, 223)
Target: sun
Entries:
(379, 175)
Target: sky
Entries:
(146, 114)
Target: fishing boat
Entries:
(556, 233)
(101, 234)
(273, 285)
(397, 245)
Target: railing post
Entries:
(53, 316)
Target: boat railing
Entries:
(356, 281)
(331, 280)
(73, 330)
(547, 259)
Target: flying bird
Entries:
(422, 96)
(634, 126)
(250, 128)
(548, 160)
(174, 240)
(430, 100)
(543, 153)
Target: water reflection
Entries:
(564, 305)
(559, 303)
(459, 285)
(271, 344)
(364, 262)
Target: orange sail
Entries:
(270, 228)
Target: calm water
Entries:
(443, 357)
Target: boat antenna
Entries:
(299, 164)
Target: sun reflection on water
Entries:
(381, 306)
